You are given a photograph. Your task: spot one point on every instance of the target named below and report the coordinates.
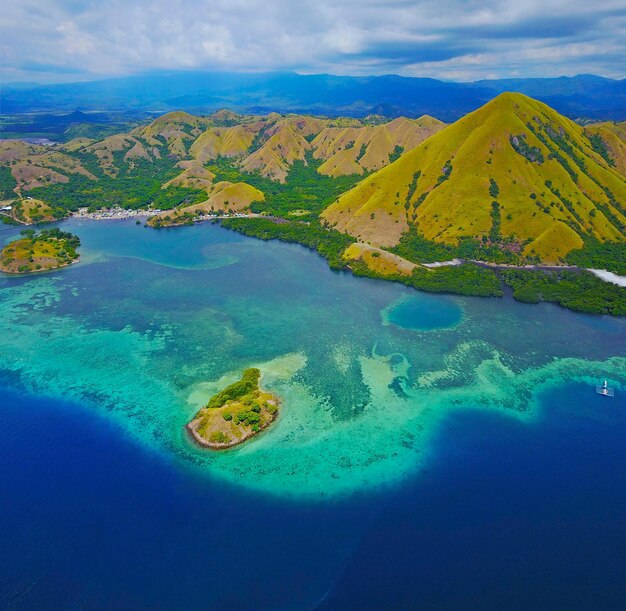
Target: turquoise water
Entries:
(150, 323)
(423, 312)
(432, 451)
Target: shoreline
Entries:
(202, 443)
(112, 214)
(40, 271)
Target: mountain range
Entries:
(513, 176)
(583, 96)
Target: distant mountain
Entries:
(514, 174)
(583, 96)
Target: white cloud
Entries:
(59, 39)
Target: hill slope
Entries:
(513, 173)
(612, 143)
(355, 150)
(284, 146)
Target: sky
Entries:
(464, 40)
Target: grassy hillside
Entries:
(515, 175)
(609, 140)
(284, 145)
(33, 166)
(175, 153)
(223, 142)
(222, 197)
(357, 150)
(38, 252)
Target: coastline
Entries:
(112, 214)
(40, 271)
(198, 440)
(192, 426)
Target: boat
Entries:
(605, 390)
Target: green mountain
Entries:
(513, 174)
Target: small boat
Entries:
(604, 390)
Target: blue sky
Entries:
(68, 40)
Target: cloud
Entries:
(458, 39)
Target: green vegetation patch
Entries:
(576, 290)
(610, 256)
(7, 184)
(327, 242)
(46, 250)
(466, 279)
(600, 147)
(234, 414)
(237, 390)
(135, 187)
(418, 249)
(304, 189)
(532, 153)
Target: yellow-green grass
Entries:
(27, 255)
(30, 211)
(378, 260)
(223, 142)
(278, 153)
(235, 414)
(357, 150)
(194, 175)
(614, 136)
(445, 183)
(223, 196)
(179, 129)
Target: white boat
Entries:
(604, 390)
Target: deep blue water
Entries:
(492, 511)
(506, 516)
(424, 312)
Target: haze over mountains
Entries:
(583, 96)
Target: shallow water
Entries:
(123, 348)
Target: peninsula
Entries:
(44, 251)
(237, 413)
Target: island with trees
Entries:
(41, 251)
(236, 413)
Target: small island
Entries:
(235, 414)
(44, 251)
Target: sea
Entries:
(431, 452)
